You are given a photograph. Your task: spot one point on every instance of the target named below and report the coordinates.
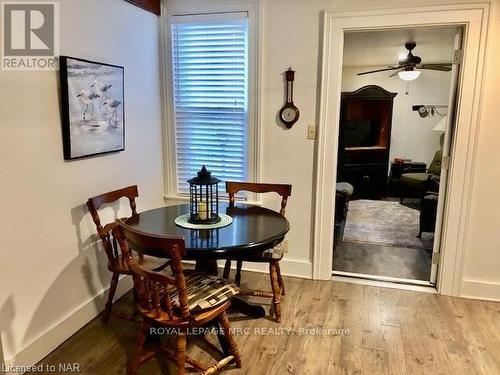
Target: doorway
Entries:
(456, 208)
(398, 92)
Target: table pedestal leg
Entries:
(208, 266)
(248, 309)
(255, 311)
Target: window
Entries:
(210, 95)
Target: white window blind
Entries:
(210, 87)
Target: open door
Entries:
(450, 121)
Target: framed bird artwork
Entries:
(92, 94)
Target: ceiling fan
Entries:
(406, 68)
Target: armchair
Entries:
(416, 184)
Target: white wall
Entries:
(481, 274)
(288, 155)
(412, 136)
(50, 268)
(291, 37)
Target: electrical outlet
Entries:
(311, 132)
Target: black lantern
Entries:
(204, 198)
(206, 238)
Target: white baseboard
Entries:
(478, 289)
(59, 332)
(289, 267)
(396, 280)
(384, 284)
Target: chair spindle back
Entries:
(284, 190)
(152, 287)
(105, 232)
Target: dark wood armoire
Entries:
(365, 140)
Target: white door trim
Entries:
(474, 17)
(446, 153)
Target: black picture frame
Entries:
(99, 85)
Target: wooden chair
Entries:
(180, 302)
(117, 264)
(271, 256)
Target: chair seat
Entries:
(204, 291)
(415, 178)
(274, 254)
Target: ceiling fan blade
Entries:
(395, 73)
(439, 67)
(379, 70)
(437, 64)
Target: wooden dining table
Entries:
(253, 230)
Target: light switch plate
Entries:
(311, 132)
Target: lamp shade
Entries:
(441, 125)
(409, 75)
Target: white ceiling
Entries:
(385, 47)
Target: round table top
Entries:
(253, 230)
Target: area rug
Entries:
(383, 223)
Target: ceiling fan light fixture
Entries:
(409, 75)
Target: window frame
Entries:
(175, 9)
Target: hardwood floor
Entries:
(380, 260)
(388, 331)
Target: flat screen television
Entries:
(359, 133)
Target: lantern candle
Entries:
(202, 211)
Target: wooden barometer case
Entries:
(289, 114)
